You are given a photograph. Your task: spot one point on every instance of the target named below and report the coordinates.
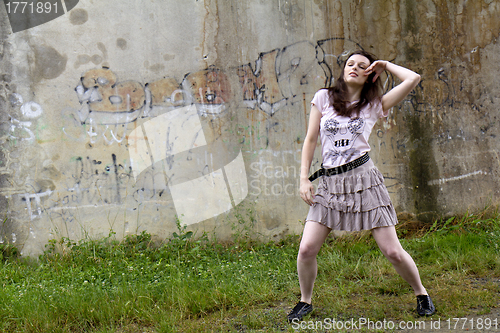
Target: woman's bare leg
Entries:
(313, 237)
(388, 242)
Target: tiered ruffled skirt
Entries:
(353, 201)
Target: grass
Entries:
(202, 285)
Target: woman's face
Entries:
(354, 70)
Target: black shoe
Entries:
(299, 311)
(425, 306)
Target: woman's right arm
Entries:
(310, 142)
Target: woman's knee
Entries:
(312, 238)
(308, 251)
(394, 255)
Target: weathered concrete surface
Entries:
(122, 115)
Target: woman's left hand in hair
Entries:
(376, 67)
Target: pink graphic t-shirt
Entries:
(344, 139)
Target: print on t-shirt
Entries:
(343, 136)
(343, 139)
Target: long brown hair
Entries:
(372, 91)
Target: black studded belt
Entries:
(340, 169)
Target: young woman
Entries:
(351, 194)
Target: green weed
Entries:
(193, 284)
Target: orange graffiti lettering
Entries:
(210, 86)
(165, 92)
(113, 97)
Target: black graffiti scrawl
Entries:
(31, 13)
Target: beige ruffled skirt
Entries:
(353, 201)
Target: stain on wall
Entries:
(49, 63)
(199, 112)
(78, 16)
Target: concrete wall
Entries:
(122, 115)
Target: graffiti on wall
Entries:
(276, 79)
(22, 130)
(173, 112)
(92, 183)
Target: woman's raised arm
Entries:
(409, 79)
